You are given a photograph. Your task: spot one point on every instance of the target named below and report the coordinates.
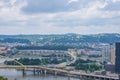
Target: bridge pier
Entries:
(80, 77)
(23, 72)
(34, 71)
(119, 76)
(41, 71)
(94, 77)
(68, 74)
(55, 73)
(84, 77)
(44, 72)
(68, 77)
(38, 72)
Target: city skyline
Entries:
(59, 17)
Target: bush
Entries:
(2, 78)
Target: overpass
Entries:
(73, 57)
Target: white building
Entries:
(108, 53)
(44, 52)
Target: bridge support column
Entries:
(83, 77)
(68, 75)
(55, 73)
(94, 78)
(45, 72)
(80, 77)
(119, 76)
(41, 71)
(34, 71)
(38, 71)
(23, 72)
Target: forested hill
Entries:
(61, 38)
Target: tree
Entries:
(2, 78)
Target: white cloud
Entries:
(115, 0)
(70, 1)
(85, 17)
(11, 10)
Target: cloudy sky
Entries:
(59, 16)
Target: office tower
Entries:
(106, 53)
(112, 54)
(117, 60)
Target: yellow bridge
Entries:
(47, 70)
(55, 71)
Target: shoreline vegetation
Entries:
(86, 65)
(3, 78)
(27, 61)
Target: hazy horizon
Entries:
(59, 16)
(61, 34)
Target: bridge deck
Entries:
(57, 70)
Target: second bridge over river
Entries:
(47, 70)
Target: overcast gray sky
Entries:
(59, 16)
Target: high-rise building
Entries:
(117, 60)
(112, 54)
(108, 53)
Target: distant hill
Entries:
(14, 40)
(62, 38)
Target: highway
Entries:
(73, 56)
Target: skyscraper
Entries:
(117, 60)
(112, 54)
(106, 53)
